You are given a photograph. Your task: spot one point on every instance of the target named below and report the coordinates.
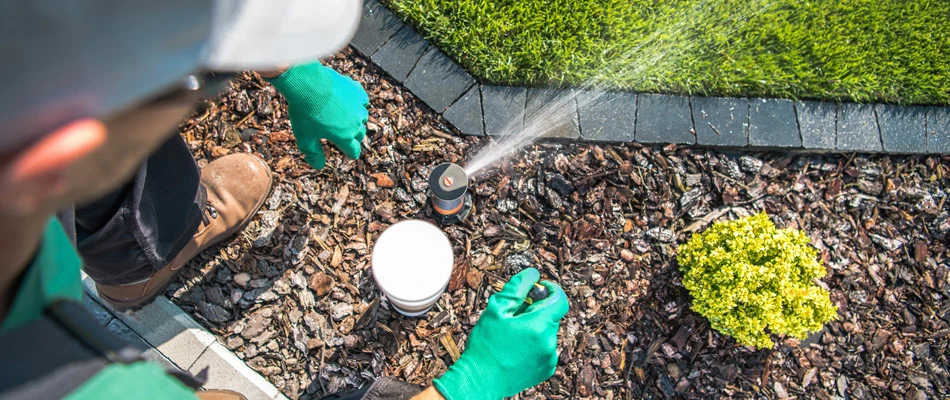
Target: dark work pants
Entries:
(127, 235)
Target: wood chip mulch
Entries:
(293, 295)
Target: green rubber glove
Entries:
(508, 352)
(324, 105)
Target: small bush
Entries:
(750, 279)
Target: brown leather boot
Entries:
(237, 186)
(218, 394)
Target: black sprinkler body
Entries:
(537, 293)
(448, 194)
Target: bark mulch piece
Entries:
(293, 295)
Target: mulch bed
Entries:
(294, 297)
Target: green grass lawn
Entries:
(895, 51)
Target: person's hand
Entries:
(324, 105)
(508, 351)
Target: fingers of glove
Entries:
(359, 93)
(363, 96)
(350, 147)
(350, 88)
(551, 367)
(362, 128)
(314, 154)
(555, 306)
(315, 157)
(509, 299)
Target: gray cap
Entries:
(69, 59)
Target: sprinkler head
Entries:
(538, 292)
(448, 194)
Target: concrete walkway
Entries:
(170, 337)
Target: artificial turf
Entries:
(895, 51)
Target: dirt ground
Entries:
(294, 297)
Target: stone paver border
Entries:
(170, 337)
(734, 123)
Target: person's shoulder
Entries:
(140, 380)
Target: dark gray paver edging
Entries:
(773, 123)
(607, 117)
(816, 122)
(466, 113)
(903, 129)
(662, 118)
(558, 107)
(721, 121)
(398, 55)
(479, 109)
(858, 129)
(438, 79)
(938, 130)
(377, 26)
(503, 108)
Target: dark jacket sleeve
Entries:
(382, 389)
(391, 389)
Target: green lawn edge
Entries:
(887, 51)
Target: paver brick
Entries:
(552, 110)
(664, 119)
(857, 128)
(504, 109)
(226, 371)
(816, 121)
(721, 121)
(148, 353)
(903, 129)
(161, 320)
(399, 55)
(938, 130)
(377, 25)
(438, 80)
(466, 113)
(99, 312)
(607, 116)
(170, 330)
(773, 123)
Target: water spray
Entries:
(448, 194)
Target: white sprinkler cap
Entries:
(412, 263)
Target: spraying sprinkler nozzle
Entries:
(448, 193)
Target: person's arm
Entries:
(322, 104)
(33, 183)
(511, 348)
(19, 240)
(429, 394)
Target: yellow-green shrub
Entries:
(750, 279)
